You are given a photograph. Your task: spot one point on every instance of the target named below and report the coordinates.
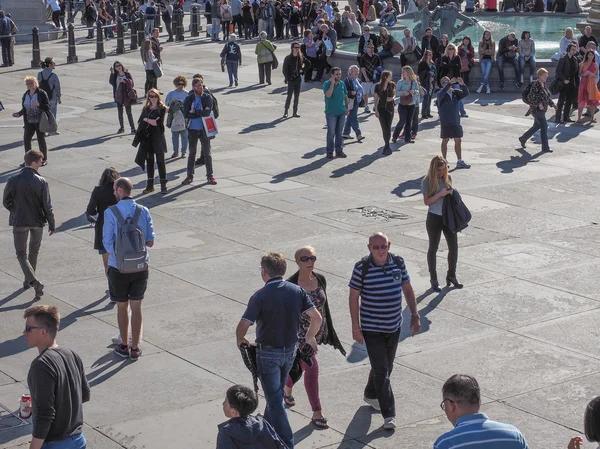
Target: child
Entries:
(244, 430)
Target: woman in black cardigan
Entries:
(33, 104)
(151, 136)
(102, 198)
(316, 286)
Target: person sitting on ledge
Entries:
(591, 425)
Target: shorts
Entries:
(451, 132)
(125, 286)
(368, 88)
(101, 251)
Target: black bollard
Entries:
(72, 58)
(134, 36)
(99, 41)
(120, 37)
(179, 16)
(69, 11)
(35, 62)
(141, 29)
(199, 19)
(119, 11)
(194, 18)
(157, 21)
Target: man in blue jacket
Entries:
(448, 110)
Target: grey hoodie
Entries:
(252, 432)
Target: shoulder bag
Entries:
(157, 69)
(48, 123)
(275, 62)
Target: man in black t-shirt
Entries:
(370, 68)
(585, 38)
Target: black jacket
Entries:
(292, 68)
(27, 197)
(455, 214)
(503, 47)
(332, 338)
(450, 67)
(362, 45)
(42, 100)
(102, 198)
(568, 69)
(251, 432)
(432, 44)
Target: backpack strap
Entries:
(115, 210)
(397, 260)
(137, 214)
(366, 264)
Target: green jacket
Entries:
(262, 50)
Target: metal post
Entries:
(179, 16)
(141, 29)
(35, 62)
(199, 19)
(69, 11)
(133, 28)
(157, 21)
(72, 48)
(99, 41)
(120, 37)
(194, 32)
(119, 10)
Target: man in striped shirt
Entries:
(379, 281)
(461, 401)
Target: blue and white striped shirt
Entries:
(381, 294)
(478, 431)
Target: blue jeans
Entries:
(175, 136)
(385, 54)
(513, 61)
(352, 120)
(486, 68)
(461, 104)
(540, 124)
(335, 128)
(531, 63)
(274, 366)
(270, 29)
(75, 442)
(426, 111)
(232, 71)
(216, 27)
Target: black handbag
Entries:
(554, 86)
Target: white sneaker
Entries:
(487, 90)
(373, 403)
(367, 110)
(389, 423)
(480, 88)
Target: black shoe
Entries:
(39, 289)
(430, 116)
(452, 280)
(296, 115)
(120, 131)
(409, 141)
(394, 139)
(548, 151)
(523, 142)
(435, 286)
(342, 155)
(387, 151)
(329, 155)
(557, 120)
(133, 131)
(568, 120)
(199, 161)
(502, 84)
(236, 83)
(26, 285)
(285, 114)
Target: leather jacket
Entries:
(27, 198)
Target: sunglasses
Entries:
(378, 247)
(295, 48)
(181, 84)
(30, 328)
(307, 258)
(152, 96)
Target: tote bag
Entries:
(48, 123)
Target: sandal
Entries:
(320, 422)
(289, 400)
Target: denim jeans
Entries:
(216, 27)
(486, 68)
(74, 442)
(232, 71)
(335, 128)
(426, 111)
(352, 120)
(540, 124)
(381, 348)
(274, 366)
(175, 136)
(270, 29)
(513, 61)
(385, 54)
(405, 118)
(531, 63)
(149, 26)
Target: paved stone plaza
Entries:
(525, 325)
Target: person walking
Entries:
(152, 142)
(127, 289)
(434, 187)
(315, 285)
(588, 95)
(487, 50)
(123, 93)
(336, 110)
(5, 39)
(567, 72)
(539, 99)
(226, 18)
(149, 61)
(236, 12)
(448, 99)
(248, 19)
(197, 105)
(103, 196)
(526, 48)
(276, 310)
(50, 83)
(376, 287)
(27, 198)
(215, 15)
(293, 68)
(427, 77)
(232, 55)
(355, 98)
(33, 104)
(57, 383)
(91, 15)
(176, 118)
(385, 94)
(150, 13)
(167, 17)
(265, 55)
(407, 89)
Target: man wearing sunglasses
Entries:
(379, 280)
(461, 401)
(57, 384)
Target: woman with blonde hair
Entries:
(435, 186)
(151, 136)
(487, 50)
(149, 60)
(407, 89)
(564, 43)
(315, 285)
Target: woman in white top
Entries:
(149, 60)
(563, 44)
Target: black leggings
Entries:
(160, 161)
(293, 88)
(31, 129)
(129, 115)
(385, 120)
(151, 81)
(435, 227)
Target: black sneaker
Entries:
(39, 289)
(523, 142)
(342, 155)
(329, 155)
(502, 84)
(122, 351)
(135, 353)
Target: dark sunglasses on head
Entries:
(307, 258)
(30, 328)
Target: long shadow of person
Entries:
(410, 184)
(509, 165)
